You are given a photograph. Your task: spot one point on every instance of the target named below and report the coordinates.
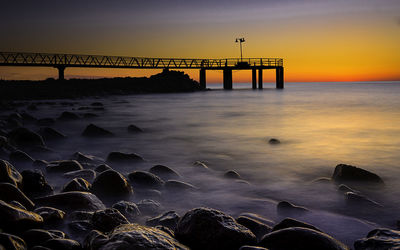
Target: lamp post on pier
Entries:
(240, 40)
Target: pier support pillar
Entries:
(61, 72)
(260, 78)
(279, 78)
(202, 78)
(227, 78)
(254, 78)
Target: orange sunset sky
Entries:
(352, 40)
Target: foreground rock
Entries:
(300, 239)
(289, 222)
(379, 239)
(258, 228)
(347, 173)
(9, 192)
(77, 184)
(11, 242)
(132, 236)
(35, 184)
(144, 179)
(94, 131)
(128, 209)
(15, 219)
(36, 237)
(62, 244)
(50, 214)
(23, 137)
(204, 228)
(107, 219)
(9, 174)
(111, 183)
(64, 166)
(70, 201)
(169, 219)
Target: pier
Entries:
(62, 61)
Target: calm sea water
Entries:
(319, 125)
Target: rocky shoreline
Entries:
(94, 208)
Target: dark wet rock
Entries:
(15, 116)
(287, 208)
(62, 244)
(289, 222)
(321, 180)
(132, 236)
(17, 204)
(144, 179)
(11, 242)
(51, 134)
(164, 172)
(43, 152)
(89, 115)
(169, 219)
(204, 228)
(344, 189)
(74, 200)
(20, 157)
(50, 214)
(97, 104)
(149, 207)
(274, 141)
(35, 237)
(68, 116)
(200, 165)
(346, 173)
(134, 129)
(107, 219)
(40, 164)
(258, 228)
(35, 184)
(85, 158)
(80, 226)
(9, 193)
(232, 174)
(111, 183)
(80, 215)
(63, 166)
(259, 218)
(14, 219)
(40, 248)
(360, 200)
(87, 174)
(300, 238)
(9, 174)
(77, 184)
(252, 248)
(167, 230)
(128, 209)
(45, 121)
(103, 167)
(13, 123)
(119, 157)
(174, 185)
(379, 239)
(23, 137)
(94, 131)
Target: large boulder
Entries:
(15, 219)
(300, 238)
(379, 239)
(169, 219)
(149, 207)
(111, 183)
(23, 137)
(107, 219)
(123, 158)
(84, 158)
(258, 228)
(132, 237)
(94, 131)
(142, 179)
(70, 201)
(11, 242)
(164, 172)
(128, 209)
(35, 184)
(50, 214)
(63, 166)
(77, 184)
(289, 222)
(9, 174)
(87, 174)
(35, 237)
(10, 193)
(347, 173)
(205, 228)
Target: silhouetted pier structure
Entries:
(62, 61)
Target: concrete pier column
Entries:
(202, 78)
(254, 78)
(260, 78)
(279, 78)
(61, 72)
(227, 78)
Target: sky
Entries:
(319, 40)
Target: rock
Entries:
(50, 214)
(40, 164)
(360, 200)
(111, 183)
(107, 219)
(118, 157)
(287, 208)
(274, 141)
(87, 174)
(174, 185)
(11, 242)
(149, 207)
(17, 204)
(103, 167)
(347, 173)
(201, 165)
(134, 129)
(142, 179)
(205, 228)
(379, 239)
(14, 219)
(35, 184)
(289, 222)
(164, 172)
(77, 184)
(62, 244)
(80, 215)
(344, 189)
(51, 134)
(94, 131)
(45, 122)
(169, 219)
(64, 166)
(252, 248)
(10, 193)
(258, 228)
(259, 218)
(70, 201)
(128, 209)
(9, 174)
(300, 238)
(84, 158)
(23, 137)
(68, 116)
(35, 237)
(132, 236)
(232, 174)
(20, 157)
(81, 226)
